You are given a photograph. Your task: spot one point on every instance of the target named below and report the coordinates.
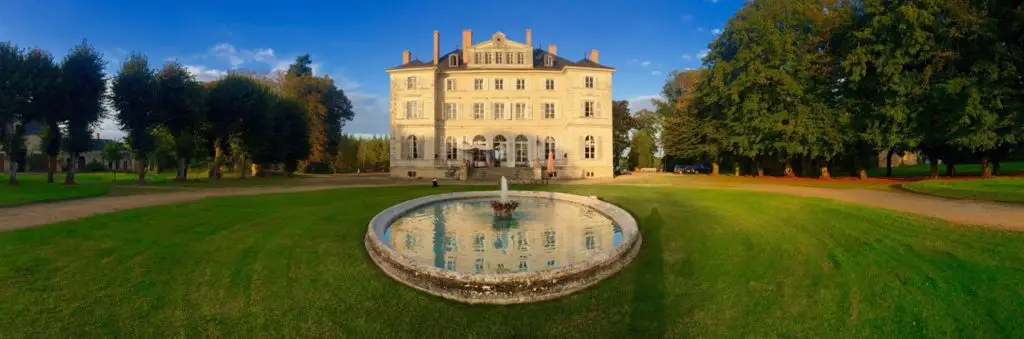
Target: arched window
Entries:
(453, 60)
(451, 148)
(480, 143)
(549, 61)
(500, 148)
(522, 150)
(413, 147)
(589, 147)
(549, 148)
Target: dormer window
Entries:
(549, 61)
(487, 58)
(519, 58)
(453, 60)
(497, 58)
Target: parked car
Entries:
(691, 169)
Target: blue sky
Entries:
(355, 41)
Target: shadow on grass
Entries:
(648, 316)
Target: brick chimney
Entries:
(406, 55)
(467, 42)
(593, 55)
(437, 47)
(553, 50)
(529, 37)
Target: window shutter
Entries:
(583, 108)
(597, 108)
(421, 147)
(509, 110)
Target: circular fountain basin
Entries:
(451, 245)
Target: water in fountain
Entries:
(504, 190)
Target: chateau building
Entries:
(501, 107)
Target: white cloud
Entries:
(655, 72)
(687, 57)
(263, 54)
(229, 52)
(645, 63)
(642, 102)
(716, 31)
(203, 73)
(703, 53)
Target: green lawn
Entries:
(33, 187)
(1004, 190)
(713, 264)
(921, 170)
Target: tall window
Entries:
(410, 83)
(500, 148)
(549, 240)
(589, 147)
(450, 264)
(478, 111)
(478, 265)
(520, 84)
(549, 110)
(588, 82)
(478, 242)
(523, 266)
(453, 60)
(499, 84)
(478, 57)
(520, 110)
(410, 110)
(522, 150)
(549, 84)
(549, 61)
(509, 57)
(451, 111)
(589, 240)
(588, 109)
(449, 84)
(479, 142)
(499, 111)
(498, 58)
(413, 147)
(522, 244)
(478, 84)
(487, 58)
(519, 58)
(451, 148)
(549, 148)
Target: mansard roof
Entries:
(538, 62)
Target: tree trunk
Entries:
(714, 168)
(69, 179)
(52, 162)
(13, 173)
(242, 173)
(182, 174)
(142, 172)
(950, 169)
(218, 158)
(736, 168)
(789, 170)
(825, 175)
(805, 166)
(933, 168)
(760, 169)
(986, 170)
(995, 167)
(888, 163)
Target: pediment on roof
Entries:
(499, 41)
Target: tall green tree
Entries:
(292, 134)
(47, 104)
(181, 104)
(84, 87)
(235, 103)
(13, 98)
(622, 123)
(327, 109)
(135, 99)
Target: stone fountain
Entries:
(503, 207)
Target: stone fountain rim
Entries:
(594, 269)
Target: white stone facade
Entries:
(501, 104)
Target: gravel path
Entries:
(999, 215)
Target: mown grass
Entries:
(713, 264)
(1002, 190)
(34, 189)
(921, 170)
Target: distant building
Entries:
(37, 161)
(500, 107)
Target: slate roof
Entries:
(538, 62)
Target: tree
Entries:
(301, 67)
(327, 109)
(47, 105)
(291, 134)
(235, 105)
(12, 103)
(112, 154)
(85, 88)
(691, 130)
(135, 98)
(180, 102)
(622, 123)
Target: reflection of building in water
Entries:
(546, 234)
